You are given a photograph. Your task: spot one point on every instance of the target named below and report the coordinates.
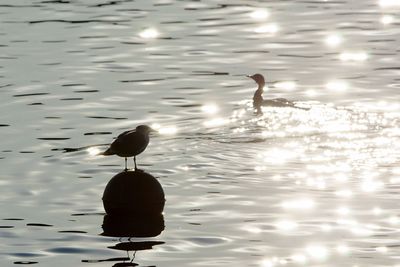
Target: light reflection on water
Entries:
(289, 187)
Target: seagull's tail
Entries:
(108, 152)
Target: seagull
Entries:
(259, 101)
(130, 143)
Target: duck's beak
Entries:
(249, 76)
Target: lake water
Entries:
(290, 187)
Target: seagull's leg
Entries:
(134, 160)
(126, 168)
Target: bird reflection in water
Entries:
(128, 227)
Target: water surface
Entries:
(286, 188)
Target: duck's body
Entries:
(130, 143)
(258, 99)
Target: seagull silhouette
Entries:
(130, 143)
(259, 101)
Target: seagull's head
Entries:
(144, 129)
(258, 78)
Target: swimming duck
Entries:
(130, 143)
(259, 101)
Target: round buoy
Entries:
(133, 193)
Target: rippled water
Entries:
(290, 187)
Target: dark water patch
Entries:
(251, 52)
(143, 80)
(173, 98)
(226, 25)
(27, 152)
(169, 38)
(103, 61)
(72, 232)
(219, 6)
(203, 35)
(160, 54)
(361, 29)
(307, 30)
(52, 117)
(85, 177)
(75, 149)
(209, 73)
(297, 56)
(13, 219)
(77, 21)
(18, 6)
(388, 68)
(4, 125)
(102, 47)
(355, 77)
(173, 22)
(4, 57)
(6, 85)
(211, 19)
(109, 165)
(133, 43)
(110, 259)
(31, 94)
(86, 91)
(93, 37)
(54, 41)
(89, 214)
(76, 51)
(6, 226)
(72, 84)
(106, 118)
(25, 262)
(110, 3)
(188, 88)
(39, 224)
(97, 133)
(19, 41)
(71, 99)
(71, 250)
(7, 151)
(382, 41)
(1, 45)
(53, 138)
(383, 54)
(207, 241)
(56, 2)
(196, 224)
(188, 106)
(50, 64)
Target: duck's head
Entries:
(258, 78)
(144, 129)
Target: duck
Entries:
(130, 144)
(259, 101)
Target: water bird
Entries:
(259, 101)
(130, 143)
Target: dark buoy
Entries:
(133, 226)
(133, 193)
